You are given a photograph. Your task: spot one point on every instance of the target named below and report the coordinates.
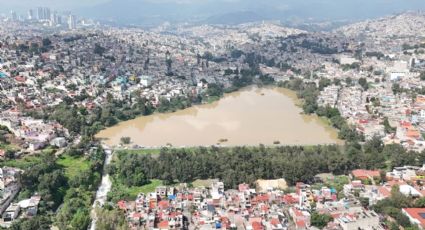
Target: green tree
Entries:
(110, 220)
(46, 42)
(420, 203)
(396, 88)
(363, 83)
(125, 140)
(349, 81)
(320, 220)
(324, 82)
(34, 223)
(99, 50)
(422, 76)
(388, 127)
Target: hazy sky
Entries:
(56, 4)
(67, 4)
(160, 10)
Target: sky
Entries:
(54, 4)
(75, 4)
(135, 11)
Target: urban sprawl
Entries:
(64, 78)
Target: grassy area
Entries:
(325, 121)
(337, 183)
(22, 163)
(73, 165)
(9, 147)
(25, 161)
(140, 151)
(213, 99)
(49, 150)
(134, 191)
(120, 191)
(202, 183)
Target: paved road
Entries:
(104, 188)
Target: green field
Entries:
(140, 151)
(25, 161)
(49, 150)
(134, 191)
(9, 147)
(120, 191)
(337, 182)
(73, 165)
(202, 183)
(22, 163)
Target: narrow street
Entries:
(104, 188)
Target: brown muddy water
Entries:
(250, 117)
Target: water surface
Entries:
(248, 117)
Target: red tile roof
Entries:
(263, 198)
(405, 124)
(383, 191)
(288, 199)
(274, 221)
(362, 173)
(152, 204)
(137, 215)
(163, 225)
(243, 187)
(417, 214)
(20, 79)
(255, 219)
(257, 226)
(297, 212)
(300, 224)
(164, 204)
(122, 205)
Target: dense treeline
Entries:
(317, 47)
(78, 120)
(309, 92)
(247, 164)
(81, 189)
(36, 222)
(110, 219)
(48, 180)
(76, 193)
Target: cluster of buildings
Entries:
(39, 70)
(209, 207)
(366, 183)
(392, 92)
(270, 204)
(387, 33)
(51, 18)
(258, 208)
(407, 179)
(35, 134)
(182, 61)
(9, 188)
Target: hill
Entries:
(150, 12)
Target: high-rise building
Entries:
(40, 13)
(43, 13)
(13, 15)
(60, 20)
(31, 14)
(54, 19)
(46, 13)
(72, 22)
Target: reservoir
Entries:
(251, 116)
